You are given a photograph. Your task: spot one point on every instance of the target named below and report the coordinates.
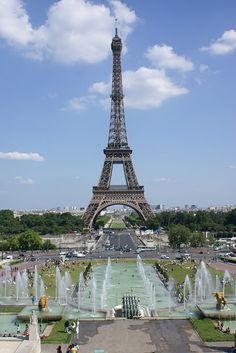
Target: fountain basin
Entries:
(54, 313)
(209, 310)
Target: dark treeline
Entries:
(48, 223)
(222, 223)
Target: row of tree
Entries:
(187, 228)
(28, 240)
(219, 222)
(48, 223)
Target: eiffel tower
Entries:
(117, 152)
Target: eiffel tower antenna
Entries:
(116, 29)
(117, 152)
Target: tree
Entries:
(134, 220)
(101, 221)
(13, 243)
(30, 240)
(48, 245)
(8, 223)
(179, 235)
(197, 239)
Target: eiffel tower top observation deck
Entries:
(117, 152)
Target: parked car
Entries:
(187, 256)
(80, 254)
(164, 256)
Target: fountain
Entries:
(101, 293)
(35, 284)
(222, 309)
(150, 289)
(7, 277)
(106, 283)
(170, 286)
(94, 287)
(187, 294)
(227, 279)
(41, 287)
(203, 283)
(218, 284)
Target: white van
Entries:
(187, 256)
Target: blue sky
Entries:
(179, 64)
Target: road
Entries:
(121, 240)
(122, 245)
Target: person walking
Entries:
(73, 349)
(59, 349)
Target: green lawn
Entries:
(178, 271)
(206, 330)
(58, 334)
(117, 225)
(48, 274)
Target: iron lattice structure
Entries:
(117, 152)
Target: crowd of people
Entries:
(72, 348)
(220, 327)
(19, 332)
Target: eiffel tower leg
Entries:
(90, 212)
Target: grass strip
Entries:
(10, 309)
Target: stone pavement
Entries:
(143, 336)
(52, 348)
(140, 336)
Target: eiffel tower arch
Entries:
(117, 152)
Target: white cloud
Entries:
(100, 87)
(144, 88)
(232, 166)
(126, 18)
(163, 56)
(81, 103)
(223, 45)
(19, 156)
(26, 181)
(148, 88)
(15, 27)
(75, 30)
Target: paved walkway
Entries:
(143, 336)
(52, 348)
(222, 266)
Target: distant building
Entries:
(160, 207)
